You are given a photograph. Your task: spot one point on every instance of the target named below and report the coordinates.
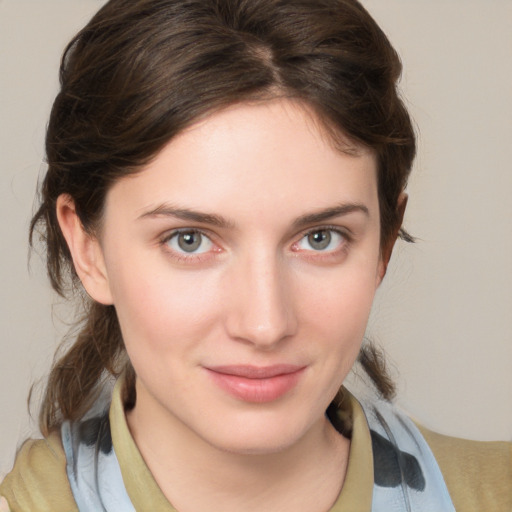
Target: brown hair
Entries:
(141, 71)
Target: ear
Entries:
(388, 249)
(85, 250)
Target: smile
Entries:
(256, 384)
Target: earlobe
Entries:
(388, 249)
(85, 250)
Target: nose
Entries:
(261, 308)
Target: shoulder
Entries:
(38, 480)
(478, 474)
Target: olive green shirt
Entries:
(478, 474)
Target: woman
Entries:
(226, 182)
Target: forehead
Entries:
(268, 156)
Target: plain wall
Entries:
(444, 313)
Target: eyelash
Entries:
(182, 256)
(343, 246)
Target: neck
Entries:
(196, 476)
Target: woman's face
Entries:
(242, 263)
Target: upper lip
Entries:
(256, 372)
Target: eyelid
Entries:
(184, 256)
(343, 232)
(176, 231)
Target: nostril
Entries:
(262, 324)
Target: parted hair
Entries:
(141, 71)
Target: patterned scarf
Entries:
(406, 475)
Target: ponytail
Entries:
(76, 377)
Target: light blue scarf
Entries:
(406, 475)
(92, 466)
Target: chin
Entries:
(267, 446)
(263, 437)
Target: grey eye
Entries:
(322, 240)
(190, 242)
(319, 240)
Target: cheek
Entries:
(342, 301)
(337, 316)
(159, 309)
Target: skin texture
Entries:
(258, 290)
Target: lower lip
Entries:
(257, 390)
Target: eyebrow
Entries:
(166, 210)
(330, 213)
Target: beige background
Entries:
(444, 314)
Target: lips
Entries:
(254, 383)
